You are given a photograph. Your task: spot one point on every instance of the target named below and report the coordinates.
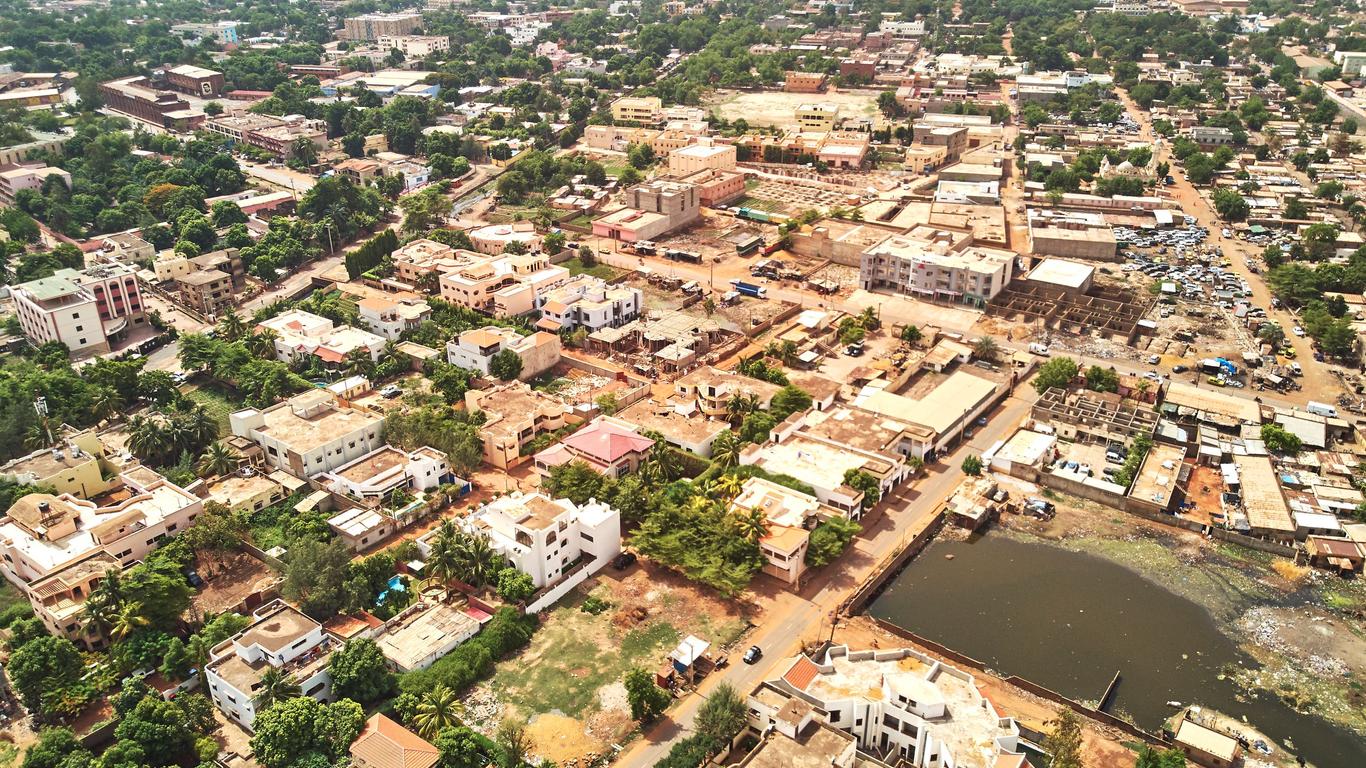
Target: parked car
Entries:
(1179, 369)
(753, 654)
(391, 391)
(624, 560)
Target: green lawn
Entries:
(598, 270)
(760, 204)
(217, 403)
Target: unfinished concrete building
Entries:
(1095, 416)
(1115, 313)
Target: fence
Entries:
(570, 581)
(891, 566)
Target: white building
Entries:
(937, 264)
(383, 471)
(83, 310)
(900, 705)
(415, 46)
(310, 433)
(391, 317)
(543, 538)
(474, 350)
(281, 637)
(790, 514)
(302, 333)
(587, 302)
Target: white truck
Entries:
(1321, 409)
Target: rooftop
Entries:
(305, 428)
(940, 410)
(408, 644)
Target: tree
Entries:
(460, 747)
(217, 459)
(159, 728)
(274, 687)
(315, 575)
(299, 728)
(911, 335)
(44, 672)
(829, 540)
(1167, 758)
(787, 401)
(514, 741)
(1271, 333)
(1280, 440)
(647, 699)
(972, 465)
(722, 715)
(506, 365)
(1063, 743)
(1230, 204)
(359, 672)
(436, 711)
(515, 586)
(1058, 372)
(986, 348)
(1102, 379)
(860, 480)
(57, 748)
(1295, 209)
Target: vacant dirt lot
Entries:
(778, 109)
(567, 683)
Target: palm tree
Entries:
(148, 438)
(728, 487)
(128, 620)
(359, 362)
(725, 449)
(99, 617)
(262, 343)
(37, 436)
(436, 712)
(444, 560)
(751, 524)
(217, 459)
(275, 686)
(198, 428)
(107, 403)
(986, 348)
(740, 406)
(481, 561)
(232, 326)
(699, 505)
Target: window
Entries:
(80, 328)
(586, 537)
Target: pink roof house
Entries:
(611, 447)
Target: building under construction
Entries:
(1114, 312)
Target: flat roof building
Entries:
(310, 433)
(937, 264)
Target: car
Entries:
(981, 421)
(624, 560)
(1216, 381)
(391, 391)
(1154, 359)
(180, 377)
(1297, 330)
(753, 654)
(1114, 457)
(1179, 369)
(854, 350)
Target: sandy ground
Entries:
(778, 109)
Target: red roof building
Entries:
(384, 743)
(611, 447)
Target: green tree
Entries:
(1167, 758)
(359, 672)
(1280, 440)
(274, 687)
(460, 747)
(829, 540)
(515, 586)
(159, 728)
(911, 335)
(506, 365)
(57, 748)
(647, 700)
(296, 729)
(1057, 372)
(436, 711)
(860, 480)
(972, 465)
(315, 576)
(722, 715)
(1102, 379)
(1063, 742)
(1230, 204)
(514, 741)
(46, 673)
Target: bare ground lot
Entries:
(567, 683)
(778, 108)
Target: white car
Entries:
(1298, 331)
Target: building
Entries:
(702, 157)
(900, 705)
(818, 117)
(639, 110)
(544, 538)
(196, 81)
(716, 187)
(843, 149)
(1206, 746)
(609, 446)
(56, 548)
(222, 32)
(505, 286)
(86, 310)
(389, 318)
(300, 334)
(415, 46)
(712, 390)
(938, 418)
(937, 264)
(515, 414)
(376, 475)
(797, 738)
(953, 138)
(285, 140)
(822, 464)
(17, 179)
(791, 515)
(206, 291)
(383, 743)
(280, 637)
(135, 96)
(373, 26)
(75, 466)
(653, 209)
(587, 302)
(804, 82)
(42, 143)
(474, 350)
(1071, 234)
(310, 433)
(421, 257)
(1351, 62)
(494, 239)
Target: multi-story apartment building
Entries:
(15, 180)
(818, 117)
(937, 264)
(280, 637)
(505, 286)
(790, 515)
(702, 157)
(136, 97)
(300, 334)
(903, 707)
(391, 317)
(372, 26)
(76, 466)
(516, 414)
(640, 110)
(57, 548)
(379, 473)
(653, 209)
(415, 46)
(474, 350)
(804, 82)
(285, 139)
(587, 302)
(712, 389)
(542, 537)
(83, 310)
(207, 291)
(609, 446)
(309, 433)
(196, 81)
(222, 32)
(494, 239)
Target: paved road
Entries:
(793, 618)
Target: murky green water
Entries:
(1069, 621)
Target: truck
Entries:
(1321, 409)
(1039, 349)
(1217, 365)
(749, 289)
(644, 247)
